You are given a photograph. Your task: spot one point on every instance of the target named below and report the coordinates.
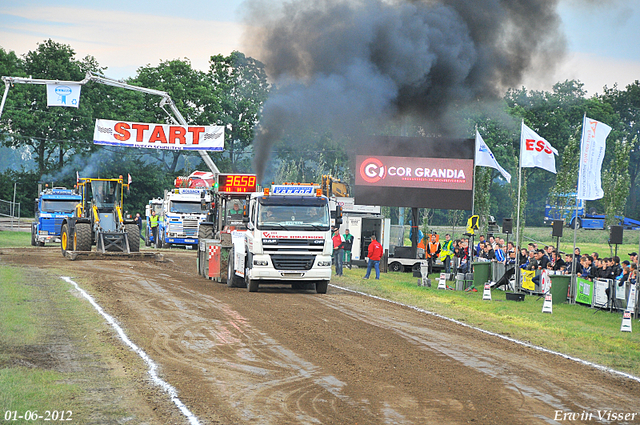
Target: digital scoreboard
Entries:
(237, 183)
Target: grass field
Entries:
(28, 378)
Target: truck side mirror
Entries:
(245, 213)
(338, 215)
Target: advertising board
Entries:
(415, 172)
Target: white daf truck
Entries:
(288, 240)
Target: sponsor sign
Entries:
(293, 190)
(158, 136)
(527, 279)
(584, 293)
(285, 235)
(424, 173)
(63, 95)
(421, 172)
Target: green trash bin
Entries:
(559, 287)
(481, 273)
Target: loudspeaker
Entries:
(615, 237)
(557, 228)
(507, 225)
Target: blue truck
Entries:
(564, 208)
(51, 207)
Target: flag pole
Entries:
(574, 275)
(473, 198)
(517, 271)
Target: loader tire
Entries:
(82, 237)
(205, 232)
(133, 234)
(65, 240)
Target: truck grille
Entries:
(186, 228)
(293, 262)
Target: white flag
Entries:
(536, 151)
(592, 147)
(485, 158)
(63, 95)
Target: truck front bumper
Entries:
(263, 269)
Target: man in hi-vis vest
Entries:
(446, 253)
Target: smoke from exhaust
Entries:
(337, 64)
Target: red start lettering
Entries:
(196, 134)
(158, 135)
(177, 133)
(122, 131)
(139, 128)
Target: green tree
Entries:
(615, 180)
(626, 103)
(52, 134)
(242, 88)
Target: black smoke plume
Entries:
(336, 64)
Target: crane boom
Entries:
(177, 117)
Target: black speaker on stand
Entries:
(615, 236)
(556, 232)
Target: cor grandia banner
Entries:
(159, 136)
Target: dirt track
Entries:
(289, 357)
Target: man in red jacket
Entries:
(374, 254)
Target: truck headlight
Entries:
(260, 263)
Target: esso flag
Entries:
(159, 136)
(422, 173)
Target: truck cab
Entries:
(51, 208)
(181, 216)
(288, 239)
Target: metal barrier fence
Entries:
(9, 209)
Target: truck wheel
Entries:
(147, 242)
(164, 242)
(82, 237)
(65, 239)
(395, 267)
(159, 240)
(579, 224)
(321, 286)
(33, 235)
(205, 232)
(232, 280)
(252, 284)
(133, 234)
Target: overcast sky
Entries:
(124, 35)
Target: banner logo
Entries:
(372, 170)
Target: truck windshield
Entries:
(301, 217)
(185, 207)
(59, 205)
(106, 194)
(157, 208)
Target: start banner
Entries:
(159, 136)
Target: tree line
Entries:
(54, 143)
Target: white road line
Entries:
(150, 363)
(526, 344)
